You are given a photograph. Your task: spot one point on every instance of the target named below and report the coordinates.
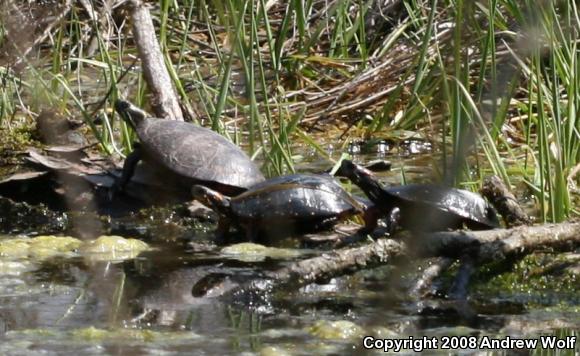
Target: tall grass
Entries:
(491, 82)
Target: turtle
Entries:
(422, 207)
(284, 205)
(186, 154)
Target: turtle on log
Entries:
(422, 207)
(190, 154)
(283, 206)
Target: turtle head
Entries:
(130, 113)
(212, 199)
(362, 177)
(352, 171)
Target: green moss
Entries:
(93, 334)
(38, 248)
(274, 351)
(537, 275)
(336, 330)
(248, 251)
(17, 138)
(113, 248)
(43, 247)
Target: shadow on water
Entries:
(148, 303)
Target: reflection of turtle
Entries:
(283, 205)
(423, 207)
(194, 154)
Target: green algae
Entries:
(536, 278)
(38, 248)
(93, 334)
(274, 351)
(99, 335)
(14, 248)
(104, 248)
(251, 252)
(336, 330)
(113, 248)
(43, 247)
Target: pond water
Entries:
(79, 302)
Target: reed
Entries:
(490, 81)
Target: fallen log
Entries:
(494, 245)
(477, 246)
(340, 262)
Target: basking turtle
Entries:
(298, 203)
(190, 153)
(423, 207)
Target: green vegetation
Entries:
(534, 280)
(495, 84)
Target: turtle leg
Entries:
(222, 231)
(370, 217)
(394, 220)
(128, 170)
(129, 166)
(251, 232)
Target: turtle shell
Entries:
(199, 154)
(295, 197)
(471, 207)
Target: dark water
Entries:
(73, 304)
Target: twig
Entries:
(423, 283)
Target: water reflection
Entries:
(157, 303)
(147, 303)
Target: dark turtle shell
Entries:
(424, 207)
(300, 197)
(197, 153)
(470, 207)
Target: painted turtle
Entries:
(193, 154)
(423, 207)
(285, 205)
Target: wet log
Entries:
(498, 244)
(340, 262)
(164, 101)
(475, 247)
